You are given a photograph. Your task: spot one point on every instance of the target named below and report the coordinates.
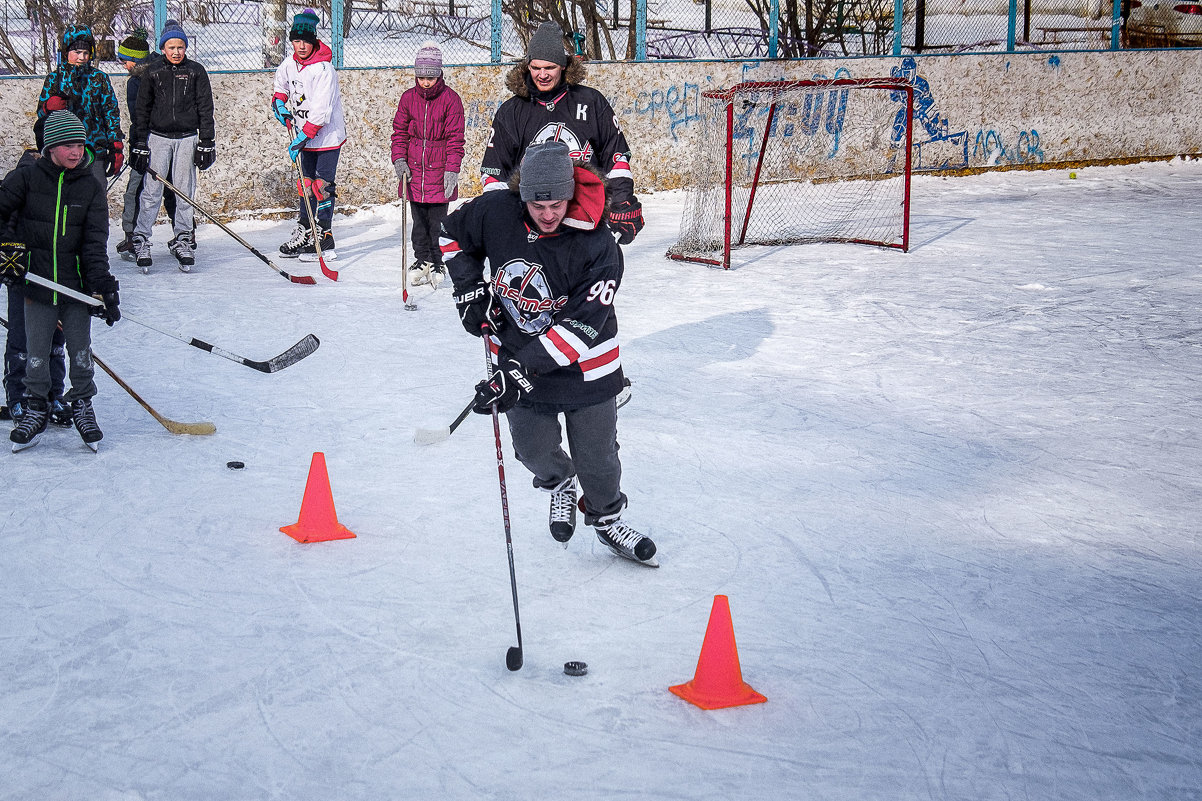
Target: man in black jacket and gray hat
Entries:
(551, 103)
(548, 310)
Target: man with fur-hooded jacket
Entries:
(90, 96)
(551, 102)
(547, 308)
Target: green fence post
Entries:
(1116, 25)
(495, 38)
(1011, 26)
(773, 28)
(640, 30)
(160, 19)
(337, 8)
(899, 12)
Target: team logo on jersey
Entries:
(525, 293)
(559, 132)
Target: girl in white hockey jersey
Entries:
(308, 102)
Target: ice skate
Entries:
(33, 423)
(85, 423)
(181, 247)
(300, 242)
(626, 542)
(562, 517)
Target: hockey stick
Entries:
(170, 425)
(198, 429)
(304, 193)
(289, 357)
(296, 279)
(431, 436)
(513, 657)
(409, 305)
(113, 181)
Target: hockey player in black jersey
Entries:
(551, 103)
(548, 305)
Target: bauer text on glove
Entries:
(502, 389)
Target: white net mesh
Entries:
(833, 166)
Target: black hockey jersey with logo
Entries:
(557, 292)
(577, 115)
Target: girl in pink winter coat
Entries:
(427, 149)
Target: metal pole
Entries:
(640, 30)
(336, 31)
(773, 28)
(899, 12)
(160, 17)
(1116, 25)
(495, 39)
(1011, 25)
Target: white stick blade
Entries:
(429, 436)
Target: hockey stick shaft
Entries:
(514, 657)
(304, 193)
(296, 279)
(289, 357)
(198, 429)
(170, 425)
(405, 246)
(113, 181)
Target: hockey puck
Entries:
(575, 668)
(235, 465)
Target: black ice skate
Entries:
(562, 518)
(182, 247)
(626, 542)
(33, 423)
(301, 242)
(85, 423)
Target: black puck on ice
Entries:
(235, 465)
(575, 668)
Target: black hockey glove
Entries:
(13, 262)
(475, 306)
(502, 389)
(205, 155)
(110, 311)
(139, 157)
(626, 220)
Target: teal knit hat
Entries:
(62, 128)
(304, 27)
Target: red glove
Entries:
(116, 159)
(55, 103)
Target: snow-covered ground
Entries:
(952, 496)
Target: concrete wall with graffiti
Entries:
(970, 111)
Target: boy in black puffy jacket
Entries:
(62, 235)
(172, 132)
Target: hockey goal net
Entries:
(787, 162)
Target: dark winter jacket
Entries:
(573, 113)
(62, 217)
(174, 101)
(90, 97)
(557, 290)
(135, 82)
(427, 132)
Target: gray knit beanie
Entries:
(62, 128)
(428, 62)
(547, 173)
(547, 45)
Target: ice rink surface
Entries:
(952, 496)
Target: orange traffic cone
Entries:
(318, 521)
(718, 682)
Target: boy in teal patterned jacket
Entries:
(90, 97)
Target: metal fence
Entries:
(252, 34)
